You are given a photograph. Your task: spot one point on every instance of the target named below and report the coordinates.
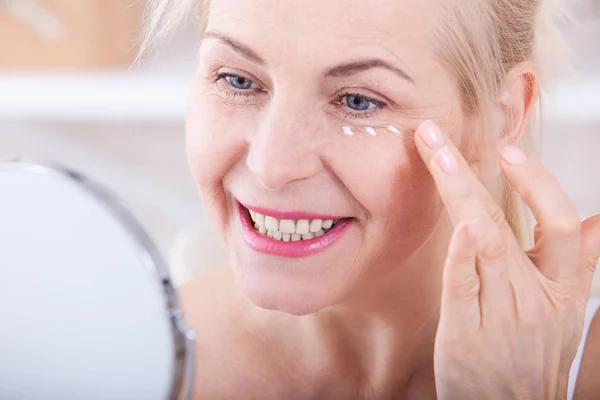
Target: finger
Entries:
(461, 283)
(464, 196)
(589, 252)
(558, 232)
(466, 199)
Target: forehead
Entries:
(331, 28)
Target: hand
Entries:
(510, 321)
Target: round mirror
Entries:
(87, 308)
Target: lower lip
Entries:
(301, 248)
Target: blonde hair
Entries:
(479, 40)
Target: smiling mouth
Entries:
(291, 229)
(290, 234)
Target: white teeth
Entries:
(302, 227)
(288, 230)
(271, 223)
(287, 226)
(316, 225)
(260, 219)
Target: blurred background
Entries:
(67, 94)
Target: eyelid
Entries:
(243, 74)
(224, 75)
(380, 105)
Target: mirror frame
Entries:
(183, 337)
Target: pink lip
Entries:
(302, 248)
(289, 215)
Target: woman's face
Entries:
(277, 83)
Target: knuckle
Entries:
(497, 215)
(591, 264)
(566, 225)
(463, 192)
(466, 289)
(493, 248)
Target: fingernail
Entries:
(447, 161)
(472, 229)
(513, 155)
(431, 134)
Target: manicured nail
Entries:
(447, 161)
(431, 134)
(513, 155)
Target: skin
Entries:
(384, 312)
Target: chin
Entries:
(283, 292)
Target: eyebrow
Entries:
(341, 70)
(364, 65)
(238, 47)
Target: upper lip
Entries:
(289, 214)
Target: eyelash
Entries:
(246, 94)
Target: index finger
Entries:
(466, 199)
(462, 192)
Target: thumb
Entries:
(461, 285)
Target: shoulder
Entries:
(235, 348)
(587, 383)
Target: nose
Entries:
(283, 150)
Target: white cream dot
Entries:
(371, 131)
(348, 131)
(393, 129)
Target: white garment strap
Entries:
(592, 307)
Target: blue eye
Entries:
(358, 103)
(359, 106)
(239, 82)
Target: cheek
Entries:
(215, 142)
(407, 201)
(387, 176)
(215, 139)
(394, 187)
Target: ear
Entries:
(517, 101)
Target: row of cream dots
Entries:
(371, 131)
